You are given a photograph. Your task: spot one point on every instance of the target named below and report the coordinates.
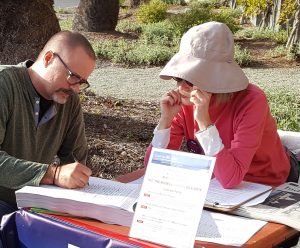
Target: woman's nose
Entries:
(185, 85)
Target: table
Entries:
(270, 235)
(34, 230)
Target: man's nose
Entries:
(75, 88)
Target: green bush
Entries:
(160, 33)
(198, 15)
(233, 13)
(65, 24)
(242, 56)
(154, 11)
(126, 26)
(195, 16)
(279, 51)
(143, 54)
(181, 2)
(205, 3)
(113, 50)
(64, 10)
(133, 53)
(294, 52)
(279, 37)
(284, 107)
(121, 2)
(227, 17)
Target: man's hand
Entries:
(74, 175)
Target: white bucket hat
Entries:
(206, 59)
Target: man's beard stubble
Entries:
(60, 99)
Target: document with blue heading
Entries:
(172, 197)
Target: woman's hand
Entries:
(170, 104)
(201, 100)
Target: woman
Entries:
(218, 113)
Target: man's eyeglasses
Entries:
(178, 80)
(74, 78)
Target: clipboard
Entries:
(227, 200)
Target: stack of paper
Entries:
(104, 200)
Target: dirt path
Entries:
(144, 83)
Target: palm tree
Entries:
(96, 15)
(25, 26)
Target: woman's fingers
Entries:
(200, 97)
(173, 97)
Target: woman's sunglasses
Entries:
(178, 80)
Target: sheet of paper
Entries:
(257, 200)
(227, 229)
(172, 198)
(219, 196)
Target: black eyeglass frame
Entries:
(178, 80)
(84, 84)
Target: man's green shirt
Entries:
(28, 145)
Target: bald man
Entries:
(42, 136)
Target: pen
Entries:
(74, 157)
(76, 160)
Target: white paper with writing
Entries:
(227, 229)
(172, 197)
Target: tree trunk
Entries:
(25, 27)
(96, 15)
(294, 37)
(265, 17)
(232, 4)
(275, 14)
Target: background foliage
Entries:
(157, 41)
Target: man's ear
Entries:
(48, 57)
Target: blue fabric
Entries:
(25, 229)
(8, 231)
(6, 208)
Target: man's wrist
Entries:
(49, 177)
(55, 171)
